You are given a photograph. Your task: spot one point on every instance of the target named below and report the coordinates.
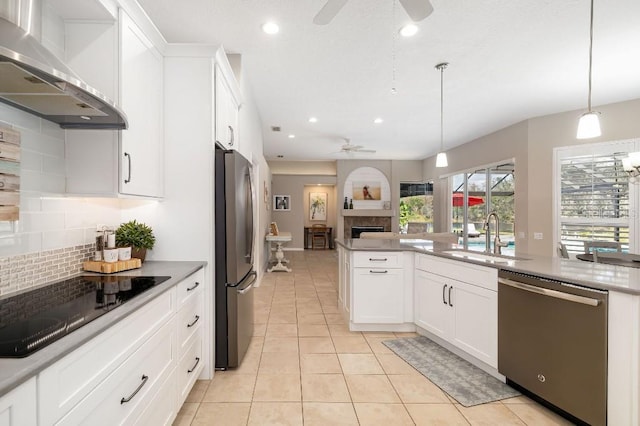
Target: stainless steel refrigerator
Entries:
(234, 274)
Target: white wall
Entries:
(531, 143)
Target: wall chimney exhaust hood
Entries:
(36, 81)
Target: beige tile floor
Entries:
(304, 366)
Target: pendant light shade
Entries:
(441, 158)
(589, 124)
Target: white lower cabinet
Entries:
(18, 407)
(378, 295)
(119, 398)
(377, 288)
(463, 314)
(131, 373)
(190, 333)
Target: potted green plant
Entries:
(137, 235)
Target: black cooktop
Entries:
(33, 320)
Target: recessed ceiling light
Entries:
(270, 28)
(313, 120)
(292, 136)
(408, 30)
(378, 120)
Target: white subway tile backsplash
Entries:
(30, 180)
(74, 237)
(53, 184)
(53, 239)
(30, 160)
(47, 220)
(20, 243)
(53, 165)
(19, 119)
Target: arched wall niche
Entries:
(368, 187)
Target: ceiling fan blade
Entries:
(328, 11)
(366, 150)
(417, 9)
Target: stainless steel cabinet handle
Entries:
(444, 288)
(450, 288)
(551, 293)
(231, 134)
(373, 259)
(144, 381)
(378, 272)
(194, 286)
(128, 179)
(194, 322)
(194, 366)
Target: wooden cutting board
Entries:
(111, 267)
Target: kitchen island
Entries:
(450, 295)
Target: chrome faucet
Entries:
(497, 244)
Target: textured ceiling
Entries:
(510, 60)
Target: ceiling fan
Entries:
(348, 148)
(416, 9)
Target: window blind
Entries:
(594, 200)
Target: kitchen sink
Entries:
(487, 257)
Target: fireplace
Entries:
(380, 223)
(357, 230)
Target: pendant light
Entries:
(441, 158)
(589, 124)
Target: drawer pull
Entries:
(373, 259)
(194, 366)
(194, 286)
(377, 272)
(144, 381)
(194, 322)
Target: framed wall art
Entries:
(281, 203)
(318, 206)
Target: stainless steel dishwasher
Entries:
(552, 341)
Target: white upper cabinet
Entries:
(118, 59)
(141, 97)
(227, 103)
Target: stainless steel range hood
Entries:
(35, 80)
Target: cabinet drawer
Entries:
(125, 393)
(190, 319)
(377, 259)
(65, 383)
(190, 287)
(458, 270)
(190, 366)
(163, 408)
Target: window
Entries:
(485, 190)
(416, 207)
(595, 200)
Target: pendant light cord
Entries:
(590, 55)
(442, 107)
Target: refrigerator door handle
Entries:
(249, 256)
(246, 288)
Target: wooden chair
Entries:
(589, 246)
(319, 237)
